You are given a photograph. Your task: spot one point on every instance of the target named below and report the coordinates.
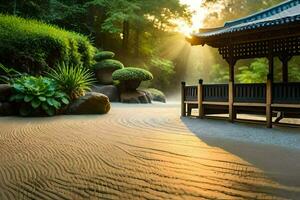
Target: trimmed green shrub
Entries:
(104, 55)
(36, 93)
(109, 64)
(33, 46)
(132, 73)
(74, 80)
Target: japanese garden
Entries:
(154, 99)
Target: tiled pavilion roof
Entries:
(285, 13)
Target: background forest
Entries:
(144, 33)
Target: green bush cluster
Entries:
(33, 46)
(102, 55)
(38, 93)
(109, 64)
(132, 73)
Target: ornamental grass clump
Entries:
(130, 78)
(38, 95)
(73, 80)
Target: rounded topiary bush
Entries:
(109, 64)
(104, 70)
(131, 77)
(104, 55)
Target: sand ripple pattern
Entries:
(127, 154)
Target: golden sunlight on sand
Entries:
(149, 154)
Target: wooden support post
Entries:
(269, 87)
(269, 102)
(200, 99)
(183, 104)
(231, 90)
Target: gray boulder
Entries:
(5, 92)
(110, 91)
(91, 103)
(138, 97)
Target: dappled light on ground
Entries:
(132, 152)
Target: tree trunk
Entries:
(125, 41)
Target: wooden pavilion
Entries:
(274, 32)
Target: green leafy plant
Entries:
(104, 55)
(74, 80)
(35, 93)
(132, 73)
(109, 64)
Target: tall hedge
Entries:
(33, 46)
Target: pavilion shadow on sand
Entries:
(274, 32)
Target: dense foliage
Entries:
(163, 70)
(75, 80)
(38, 93)
(131, 73)
(32, 46)
(109, 64)
(104, 55)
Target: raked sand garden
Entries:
(145, 152)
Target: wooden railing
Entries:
(216, 92)
(283, 98)
(252, 93)
(287, 93)
(191, 93)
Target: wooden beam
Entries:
(183, 104)
(200, 99)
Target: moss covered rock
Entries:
(156, 95)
